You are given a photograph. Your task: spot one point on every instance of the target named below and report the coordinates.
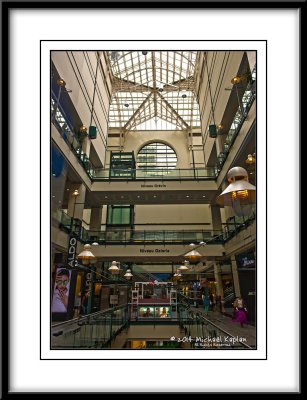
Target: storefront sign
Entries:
(72, 247)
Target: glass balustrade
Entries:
(92, 331)
(239, 118)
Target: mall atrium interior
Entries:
(153, 199)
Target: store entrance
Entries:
(248, 291)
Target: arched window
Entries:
(154, 157)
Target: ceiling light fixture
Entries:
(240, 194)
(114, 268)
(185, 266)
(193, 255)
(86, 255)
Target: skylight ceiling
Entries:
(153, 89)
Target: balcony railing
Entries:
(131, 236)
(154, 174)
(95, 330)
(239, 118)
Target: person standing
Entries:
(240, 311)
(206, 301)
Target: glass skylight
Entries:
(152, 87)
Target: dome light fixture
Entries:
(184, 96)
(114, 268)
(144, 53)
(240, 194)
(128, 274)
(193, 255)
(185, 266)
(86, 255)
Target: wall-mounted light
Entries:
(83, 129)
(61, 82)
(236, 80)
(240, 194)
(250, 159)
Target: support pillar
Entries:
(219, 285)
(235, 275)
(95, 222)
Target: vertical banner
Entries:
(72, 248)
(61, 291)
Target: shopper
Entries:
(240, 311)
(206, 301)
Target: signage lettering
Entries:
(154, 250)
(156, 185)
(72, 247)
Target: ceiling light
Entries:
(86, 255)
(114, 268)
(95, 244)
(184, 96)
(193, 255)
(76, 193)
(128, 274)
(185, 266)
(144, 53)
(240, 194)
(126, 105)
(160, 89)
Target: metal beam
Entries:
(137, 111)
(154, 79)
(174, 111)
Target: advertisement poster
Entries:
(61, 291)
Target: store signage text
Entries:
(72, 246)
(156, 185)
(154, 250)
